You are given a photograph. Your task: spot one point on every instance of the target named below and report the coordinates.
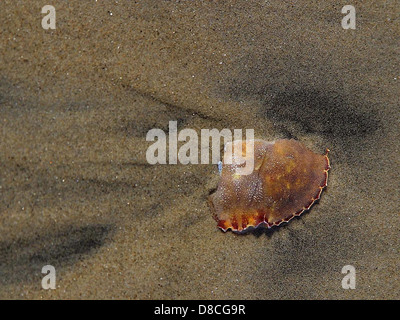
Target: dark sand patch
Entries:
(22, 259)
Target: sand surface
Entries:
(76, 103)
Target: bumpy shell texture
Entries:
(287, 179)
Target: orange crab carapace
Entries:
(286, 180)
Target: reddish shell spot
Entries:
(287, 179)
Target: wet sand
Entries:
(76, 191)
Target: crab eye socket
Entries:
(220, 167)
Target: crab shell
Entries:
(286, 180)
